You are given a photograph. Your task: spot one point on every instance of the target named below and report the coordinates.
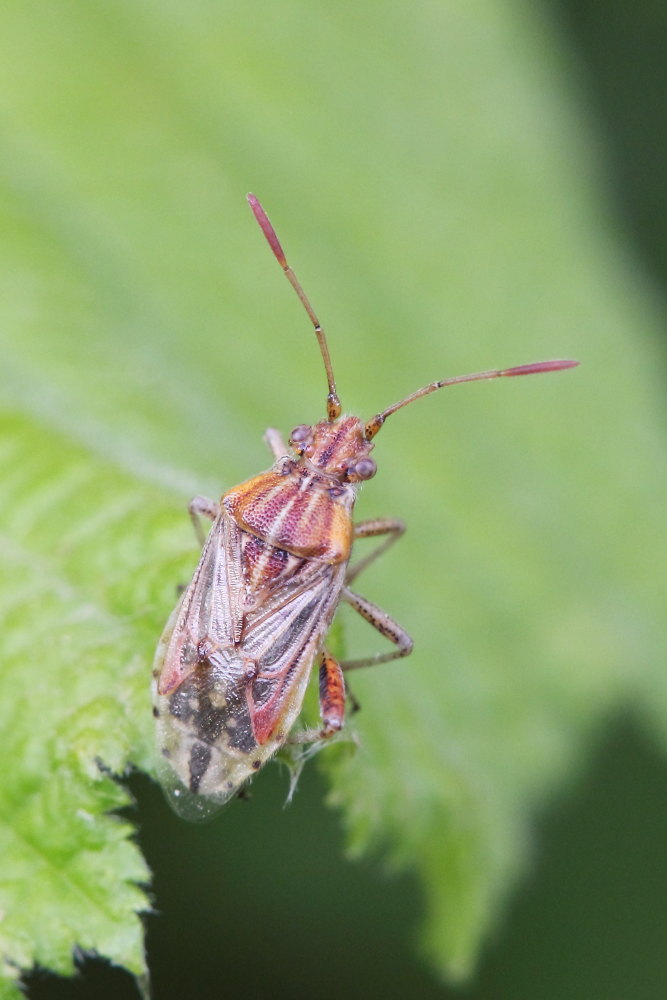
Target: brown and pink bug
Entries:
(236, 655)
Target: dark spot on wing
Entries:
(200, 758)
(179, 703)
(212, 716)
(210, 722)
(262, 690)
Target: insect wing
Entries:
(209, 610)
(228, 687)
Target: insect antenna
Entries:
(333, 402)
(376, 422)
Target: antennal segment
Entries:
(376, 422)
(333, 402)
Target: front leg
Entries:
(384, 624)
(198, 508)
(274, 439)
(393, 527)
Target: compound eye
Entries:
(300, 437)
(365, 468)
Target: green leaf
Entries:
(437, 191)
(72, 680)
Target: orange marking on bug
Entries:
(332, 694)
(296, 513)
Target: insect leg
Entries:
(332, 704)
(202, 507)
(385, 625)
(275, 442)
(332, 695)
(393, 527)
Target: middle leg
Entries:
(385, 625)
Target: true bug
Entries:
(233, 663)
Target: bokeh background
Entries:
(458, 187)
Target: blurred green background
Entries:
(430, 170)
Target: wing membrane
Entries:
(209, 609)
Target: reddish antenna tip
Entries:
(267, 229)
(540, 366)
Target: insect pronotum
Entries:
(233, 663)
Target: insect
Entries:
(236, 655)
